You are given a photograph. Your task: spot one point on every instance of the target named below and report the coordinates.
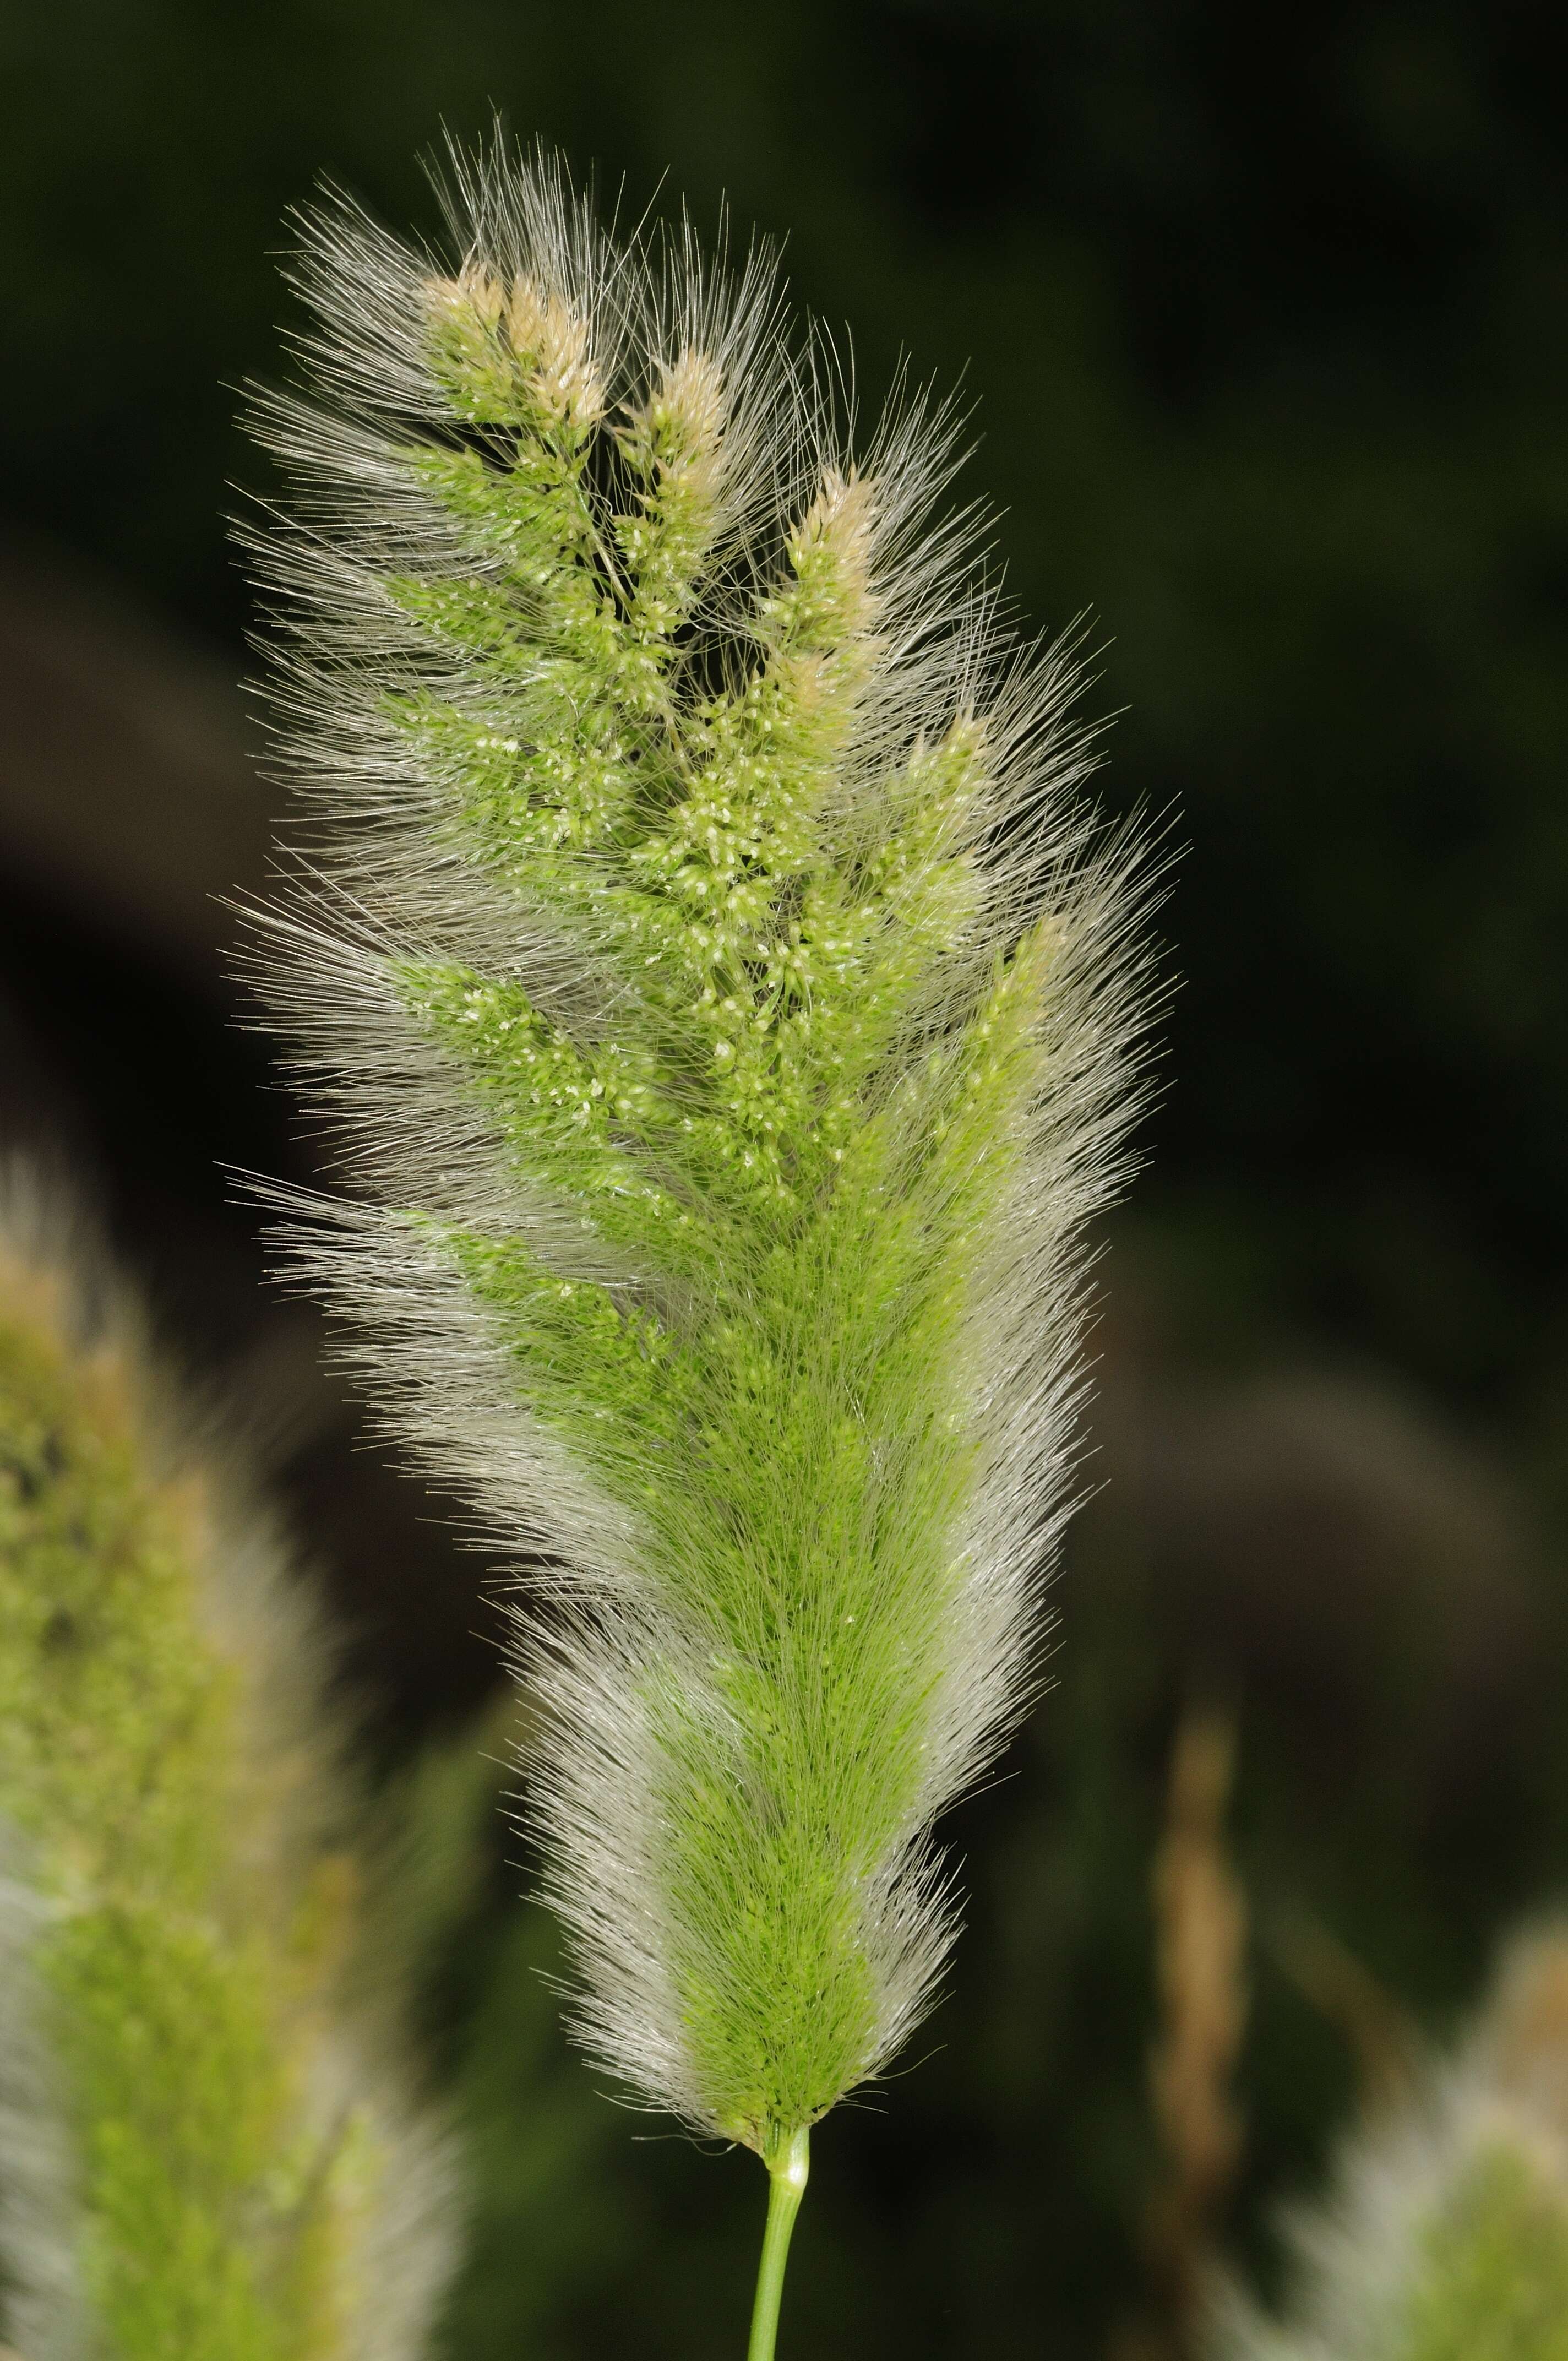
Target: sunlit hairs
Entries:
(723, 1007)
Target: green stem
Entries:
(787, 2175)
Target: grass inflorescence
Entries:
(726, 1009)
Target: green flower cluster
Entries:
(728, 1005)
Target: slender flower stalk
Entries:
(726, 1010)
(787, 2186)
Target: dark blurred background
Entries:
(1262, 315)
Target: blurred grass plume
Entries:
(209, 2145)
(1444, 2237)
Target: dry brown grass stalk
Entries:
(1201, 1922)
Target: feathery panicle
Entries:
(1446, 2235)
(205, 2146)
(725, 1009)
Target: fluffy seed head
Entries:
(726, 1009)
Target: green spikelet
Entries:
(202, 2153)
(725, 1002)
(1446, 2235)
